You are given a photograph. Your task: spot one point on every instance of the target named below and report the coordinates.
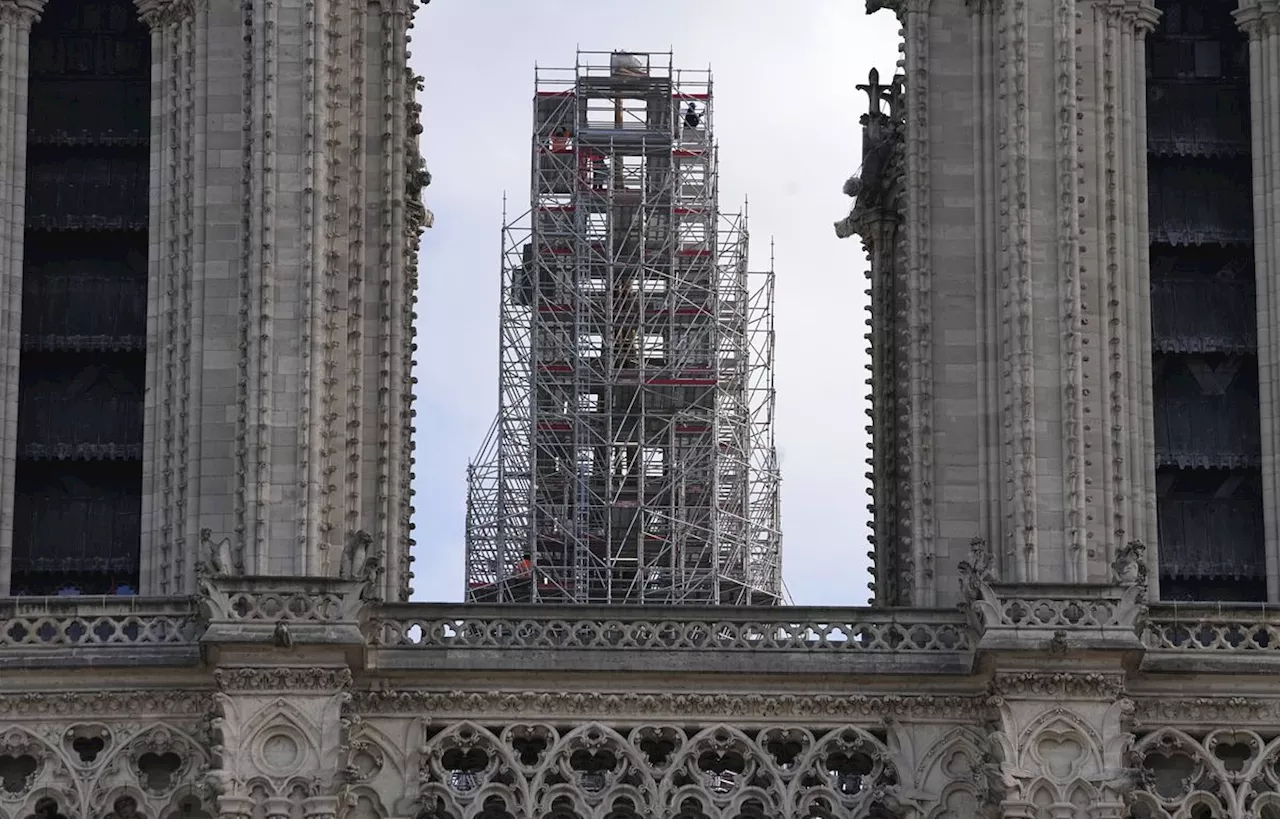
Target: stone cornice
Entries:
(100, 704)
(856, 708)
(282, 679)
(1058, 685)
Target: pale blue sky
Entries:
(786, 117)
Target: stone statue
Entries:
(215, 559)
(358, 560)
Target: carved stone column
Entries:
(16, 19)
(1260, 21)
(1119, 463)
(167, 542)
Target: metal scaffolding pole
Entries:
(632, 460)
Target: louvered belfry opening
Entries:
(84, 302)
(1204, 326)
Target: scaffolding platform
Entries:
(632, 459)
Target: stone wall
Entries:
(269, 697)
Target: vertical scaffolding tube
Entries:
(634, 442)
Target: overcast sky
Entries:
(786, 118)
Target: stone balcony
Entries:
(266, 697)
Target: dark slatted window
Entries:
(77, 514)
(1203, 322)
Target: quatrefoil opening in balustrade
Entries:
(721, 770)
(530, 744)
(158, 772)
(17, 772)
(786, 748)
(658, 745)
(87, 743)
(466, 768)
(594, 769)
(1171, 774)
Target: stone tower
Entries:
(1071, 214)
(209, 213)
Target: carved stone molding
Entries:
(1230, 772)
(156, 13)
(1151, 712)
(114, 768)
(868, 709)
(594, 769)
(24, 12)
(282, 679)
(70, 705)
(1058, 684)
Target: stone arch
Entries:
(160, 760)
(724, 762)
(364, 803)
(847, 767)
(1061, 745)
(48, 803)
(957, 756)
(122, 802)
(1178, 774)
(958, 801)
(278, 742)
(374, 761)
(52, 778)
(593, 765)
(465, 766)
(188, 803)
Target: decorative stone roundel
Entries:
(281, 752)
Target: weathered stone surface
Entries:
(268, 696)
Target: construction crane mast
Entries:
(632, 459)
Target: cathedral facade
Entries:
(209, 212)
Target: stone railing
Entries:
(1212, 637)
(454, 627)
(46, 624)
(1212, 627)
(78, 630)
(97, 621)
(761, 639)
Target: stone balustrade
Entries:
(54, 623)
(310, 696)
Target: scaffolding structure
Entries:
(632, 459)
